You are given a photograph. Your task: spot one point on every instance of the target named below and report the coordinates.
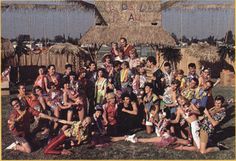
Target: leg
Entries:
(186, 148)
(182, 141)
(81, 114)
(149, 140)
(203, 141)
(23, 147)
(54, 143)
(69, 118)
(56, 114)
(149, 129)
(195, 133)
(118, 138)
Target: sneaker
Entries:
(12, 146)
(131, 138)
(222, 146)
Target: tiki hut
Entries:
(138, 21)
(7, 53)
(203, 51)
(63, 53)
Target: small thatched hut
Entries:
(63, 53)
(7, 53)
(203, 51)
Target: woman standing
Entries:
(100, 87)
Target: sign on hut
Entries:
(144, 13)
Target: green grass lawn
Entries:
(126, 150)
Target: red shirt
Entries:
(127, 50)
(111, 112)
(22, 127)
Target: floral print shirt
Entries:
(207, 126)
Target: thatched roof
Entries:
(7, 49)
(66, 48)
(203, 51)
(134, 34)
(72, 4)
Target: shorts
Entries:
(195, 133)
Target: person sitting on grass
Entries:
(77, 132)
(212, 118)
(189, 113)
(19, 125)
(163, 138)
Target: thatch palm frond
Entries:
(66, 48)
(135, 34)
(204, 51)
(7, 49)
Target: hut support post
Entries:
(97, 48)
(157, 54)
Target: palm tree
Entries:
(172, 55)
(20, 50)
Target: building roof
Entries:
(135, 35)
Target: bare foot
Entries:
(66, 152)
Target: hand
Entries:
(206, 112)
(105, 123)
(55, 119)
(124, 110)
(145, 110)
(151, 119)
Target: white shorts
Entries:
(195, 133)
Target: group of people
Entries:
(97, 106)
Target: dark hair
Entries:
(117, 63)
(65, 82)
(221, 98)
(149, 85)
(20, 84)
(126, 63)
(91, 62)
(167, 64)
(51, 65)
(180, 71)
(192, 65)
(152, 59)
(123, 38)
(125, 95)
(212, 83)
(195, 80)
(43, 67)
(177, 82)
(68, 66)
(153, 108)
(81, 70)
(37, 87)
(14, 99)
